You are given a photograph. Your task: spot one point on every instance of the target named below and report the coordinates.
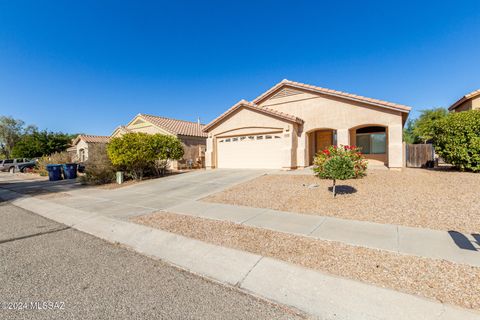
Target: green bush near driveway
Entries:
(139, 153)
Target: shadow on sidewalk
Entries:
(462, 241)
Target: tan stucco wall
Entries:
(472, 104)
(146, 128)
(86, 147)
(465, 106)
(194, 147)
(476, 103)
(318, 112)
(322, 112)
(248, 122)
(81, 145)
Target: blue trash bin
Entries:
(54, 172)
(70, 170)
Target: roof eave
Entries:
(251, 106)
(287, 83)
(140, 115)
(463, 99)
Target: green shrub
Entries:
(138, 153)
(55, 158)
(340, 163)
(457, 139)
(40, 143)
(98, 167)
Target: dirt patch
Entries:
(442, 200)
(441, 280)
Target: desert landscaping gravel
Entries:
(443, 200)
(441, 280)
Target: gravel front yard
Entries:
(445, 281)
(443, 200)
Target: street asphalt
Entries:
(53, 272)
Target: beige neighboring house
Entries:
(288, 124)
(190, 134)
(80, 145)
(469, 101)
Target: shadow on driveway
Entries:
(34, 187)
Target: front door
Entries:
(319, 141)
(323, 140)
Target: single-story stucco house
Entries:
(288, 124)
(469, 101)
(191, 135)
(80, 145)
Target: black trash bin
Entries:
(70, 170)
(54, 172)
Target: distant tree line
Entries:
(17, 140)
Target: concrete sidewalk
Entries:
(427, 243)
(319, 294)
(181, 193)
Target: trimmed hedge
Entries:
(457, 139)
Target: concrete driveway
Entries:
(148, 196)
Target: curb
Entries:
(319, 294)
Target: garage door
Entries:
(262, 151)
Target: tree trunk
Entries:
(333, 189)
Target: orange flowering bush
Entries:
(340, 163)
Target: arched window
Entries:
(81, 155)
(372, 140)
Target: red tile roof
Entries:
(345, 95)
(124, 129)
(466, 97)
(252, 106)
(178, 127)
(91, 139)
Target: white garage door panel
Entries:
(243, 152)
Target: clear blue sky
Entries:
(88, 66)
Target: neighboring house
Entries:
(469, 101)
(80, 145)
(288, 124)
(190, 134)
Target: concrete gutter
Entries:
(319, 294)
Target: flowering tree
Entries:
(340, 163)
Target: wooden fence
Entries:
(419, 155)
